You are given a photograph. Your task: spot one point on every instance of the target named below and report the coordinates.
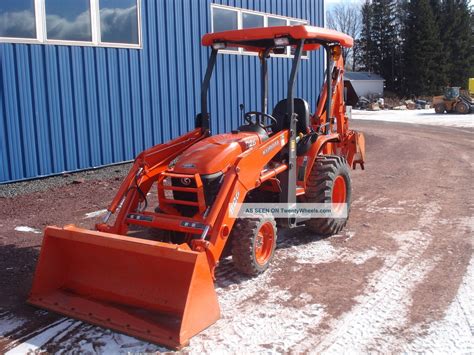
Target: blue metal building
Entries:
(86, 83)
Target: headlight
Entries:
(281, 41)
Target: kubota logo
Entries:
(186, 181)
(270, 147)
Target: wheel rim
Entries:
(462, 108)
(264, 243)
(339, 191)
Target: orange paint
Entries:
(164, 292)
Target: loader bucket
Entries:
(159, 292)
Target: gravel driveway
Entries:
(397, 279)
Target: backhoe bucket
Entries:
(159, 292)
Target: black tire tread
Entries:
(319, 186)
(243, 238)
(440, 108)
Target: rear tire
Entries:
(253, 244)
(462, 107)
(329, 182)
(439, 108)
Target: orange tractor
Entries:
(161, 289)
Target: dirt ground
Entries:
(399, 278)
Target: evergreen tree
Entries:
(456, 34)
(417, 46)
(385, 40)
(436, 9)
(443, 58)
(422, 46)
(399, 80)
(365, 46)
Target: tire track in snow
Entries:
(9, 323)
(382, 310)
(253, 317)
(34, 342)
(455, 333)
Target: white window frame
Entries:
(265, 15)
(41, 30)
(239, 23)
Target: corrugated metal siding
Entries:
(64, 108)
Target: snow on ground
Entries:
(27, 230)
(383, 308)
(455, 333)
(250, 321)
(36, 342)
(262, 322)
(72, 336)
(259, 316)
(427, 117)
(9, 322)
(95, 214)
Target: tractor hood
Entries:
(215, 154)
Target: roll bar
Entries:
(203, 118)
(288, 194)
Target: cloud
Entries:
(19, 24)
(78, 29)
(119, 25)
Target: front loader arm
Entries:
(144, 172)
(247, 174)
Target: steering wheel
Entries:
(258, 119)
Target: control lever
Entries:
(242, 108)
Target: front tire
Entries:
(329, 182)
(440, 108)
(253, 244)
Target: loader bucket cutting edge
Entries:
(155, 291)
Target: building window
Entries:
(275, 21)
(225, 18)
(251, 20)
(17, 19)
(68, 20)
(103, 23)
(119, 21)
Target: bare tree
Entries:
(346, 18)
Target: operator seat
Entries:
(301, 108)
